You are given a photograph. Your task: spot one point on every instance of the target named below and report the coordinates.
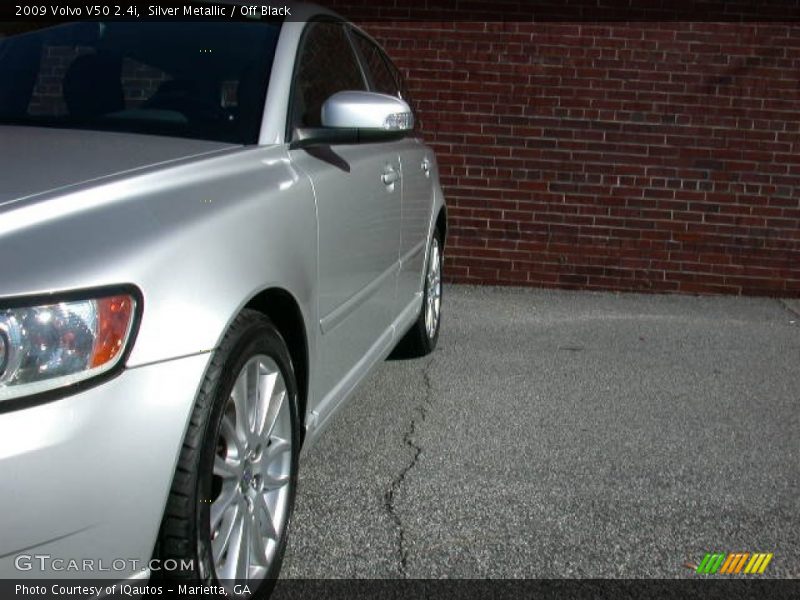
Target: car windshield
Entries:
(204, 80)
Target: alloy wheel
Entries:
(252, 474)
(434, 290)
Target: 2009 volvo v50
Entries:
(210, 233)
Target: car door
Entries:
(358, 196)
(417, 164)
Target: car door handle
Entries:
(426, 167)
(390, 176)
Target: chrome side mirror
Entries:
(368, 111)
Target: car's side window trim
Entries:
(289, 133)
(362, 60)
(365, 75)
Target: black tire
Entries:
(417, 341)
(185, 529)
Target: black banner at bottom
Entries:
(412, 589)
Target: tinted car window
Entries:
(190, 79)
(377, 70)
(326, 65)
(405, 94)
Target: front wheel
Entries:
(421, 339)
(232, 497)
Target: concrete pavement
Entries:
(562, 434)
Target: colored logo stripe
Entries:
(733, 564)
(758, 564)
(711, 563)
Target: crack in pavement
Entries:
(420, 413)
(791, 305)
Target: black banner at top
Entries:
(410, 10)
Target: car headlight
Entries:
(46, 347)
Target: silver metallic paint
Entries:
(200, 228)
(94, 469)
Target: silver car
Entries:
(210, 233)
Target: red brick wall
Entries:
(653, 156)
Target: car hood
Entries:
(36, 160)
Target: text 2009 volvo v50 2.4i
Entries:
(210, 232)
